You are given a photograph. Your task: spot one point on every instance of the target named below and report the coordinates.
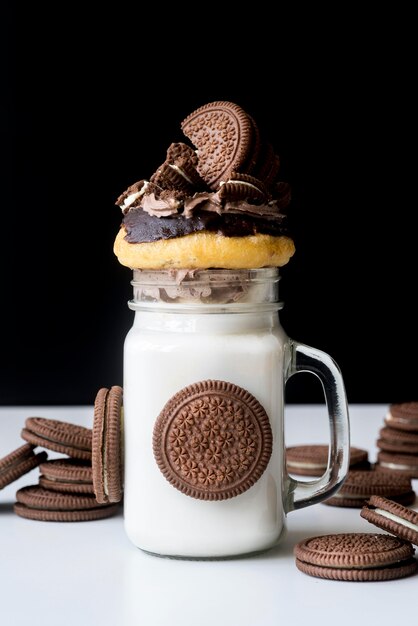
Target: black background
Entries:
(90, 103)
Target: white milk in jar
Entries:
(205, 365)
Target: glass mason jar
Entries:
(205, 366)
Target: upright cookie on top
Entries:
(219, 206)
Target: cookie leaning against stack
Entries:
(18, 463)
(392, 517)
(70, 489)
(64, 437)
(107, 445)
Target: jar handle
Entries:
(302, 358)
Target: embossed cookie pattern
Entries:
(212, 440)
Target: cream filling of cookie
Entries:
(360, 566)
(397, 519)
(397, 466)
(105, 481)
(238, 182)
(104, 451)
(403, 420)
(306, 465)
(350, 496)
(182, 173)
(129, 200)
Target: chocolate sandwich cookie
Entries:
(359, 486)
(177, 174)
(283, 194)
(268, 165)
(243, 187)
(403, 416)
(168, 178)
(184, 158)
(107, 445)
(397, 463)
(67, 475)
(254, 151)
(223, 134)
(180, 176)
(312, 460)
(132, 196)
(70, 439)
(18, 463)
(356, 557)
(392, 517)
(394, 440)
(273, 171)
(45, 505)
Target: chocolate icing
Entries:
(141, 227)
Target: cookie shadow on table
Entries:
(346, 520)
(285, 547)
(6, 507)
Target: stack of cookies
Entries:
(312, 460)
(362, 481)
(398, 440)
(83, 485)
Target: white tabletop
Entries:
(89, 573)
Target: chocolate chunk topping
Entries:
(181, 151)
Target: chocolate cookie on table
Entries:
(19, 462)
(359, 486)
(67, 475)
(397, 463)
(312, 460)
(64, 437)
(403, 416)
(392, 517)
(37, 503)
(358, 557)
(395, 440)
